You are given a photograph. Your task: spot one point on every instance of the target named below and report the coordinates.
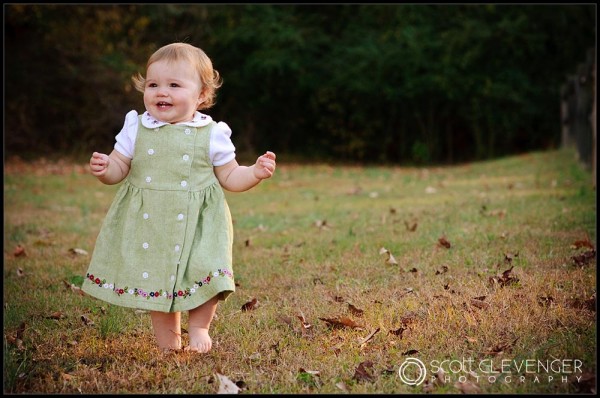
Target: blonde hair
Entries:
(209, 78)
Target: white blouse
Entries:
(221, 150)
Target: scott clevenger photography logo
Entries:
(412, 371)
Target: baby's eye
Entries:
(174, 85)
(151, 84)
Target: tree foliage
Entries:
(371, 83)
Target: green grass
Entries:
(308, 243)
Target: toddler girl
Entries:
(166, 243)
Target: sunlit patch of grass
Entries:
(307, 243)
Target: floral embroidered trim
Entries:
(160, 293)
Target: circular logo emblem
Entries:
(409, 377)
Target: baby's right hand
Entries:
(99, 164)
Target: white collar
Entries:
(199, 120)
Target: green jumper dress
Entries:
(166, 242)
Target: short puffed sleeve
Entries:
(126, 138)
(221, 150)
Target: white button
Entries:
(186, 157)
(145, 275)
(184, 183)
(150, 151)
(172, 277)
(148, 179)
(146, 216)
(188, 131)
(177, 248)
(180, 216)
(145, 245)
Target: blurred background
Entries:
(402, 84)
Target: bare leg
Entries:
(199, 324)
(167, 329)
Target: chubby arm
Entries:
(236, 178)
(110, 169)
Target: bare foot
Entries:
(200, 341)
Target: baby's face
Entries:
(173, 91)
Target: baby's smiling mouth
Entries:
(163, 104)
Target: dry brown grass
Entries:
(308, 245)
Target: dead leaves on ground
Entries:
(227, 386)
(444, 242)
(250, 305)
(390, 258)
(19, 251)
(342, 322)
(506, 279)
(582, 259)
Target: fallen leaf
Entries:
(584, 258)
(312, 372)
(342, 322)
(479, 303)
(309, 377)
(78, 252)
(305, 323)
(390, 258)
(587, 304)
(19, 251)
(20, 272)
(428, 386)
(87, 321)
(355, 311)
(342, 386)
(338, 299)
(443, 271)
(250, 305)
(409, 318)
(76, 289)
(362, 373)
(398, 332)
(505, 279)
(508, 257)
(56, 315)
(369, 337)
(444, 242)
(322, 224)
(226, 386)
(582, 243)
(410, 352)
(411, 227)
(545, 301)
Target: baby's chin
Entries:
(163, 119)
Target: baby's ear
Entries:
(202, 97)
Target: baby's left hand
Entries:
(265, 166)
